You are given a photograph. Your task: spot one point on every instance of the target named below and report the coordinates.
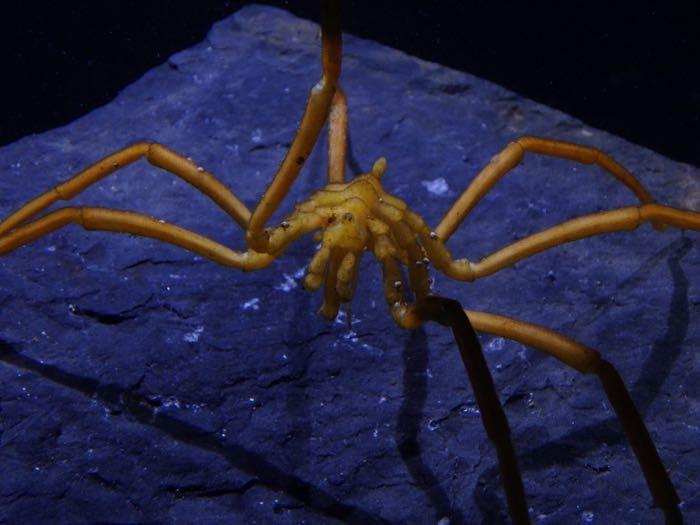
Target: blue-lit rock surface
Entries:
(142, 384)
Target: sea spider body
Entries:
(352, 217)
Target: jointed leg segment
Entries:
(448, 312)
(104, 219)
(587, 360)
(14, 234)
(157, 155)
(603, 222)
(315, 115)
(511, 157)
(622, 219)
(16, 231)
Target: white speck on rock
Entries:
(288, 285)
(253, 304)
(193, 336)
(171, 402)
(342, 318)
(351, 336)
(522, 354)
(495, 344)
(472, 410)
(436, 187)
(256, 136)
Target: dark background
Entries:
(629, 67)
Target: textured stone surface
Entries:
(142, 384)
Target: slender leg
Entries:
(136, 224)
(449, 312)
(622, 219)
(595, 224)
(315, 115)
(337, 137)
(157, 155)
(511, 157)
(587, 360)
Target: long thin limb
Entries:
(157, 155)
(587, 360)
(449, 312)
(315, 114)
(621, 219)
(511, 157)
(137, 224)
(337, 137)
(586, 226)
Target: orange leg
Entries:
(13, 234)
(622, 219)
(106, 219)
(587, 360)
(448, 312)
(511, 157)
(337, 137)
(157, 155)
(315, 115)
(579, 228)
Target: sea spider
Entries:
(358, 215)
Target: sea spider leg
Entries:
(449, 312)
(586, 360)
(105, 219)
(315, 115)
(157, 155)
(621, 219)
(511, 156)
(337, 137)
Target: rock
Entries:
(144, 382)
